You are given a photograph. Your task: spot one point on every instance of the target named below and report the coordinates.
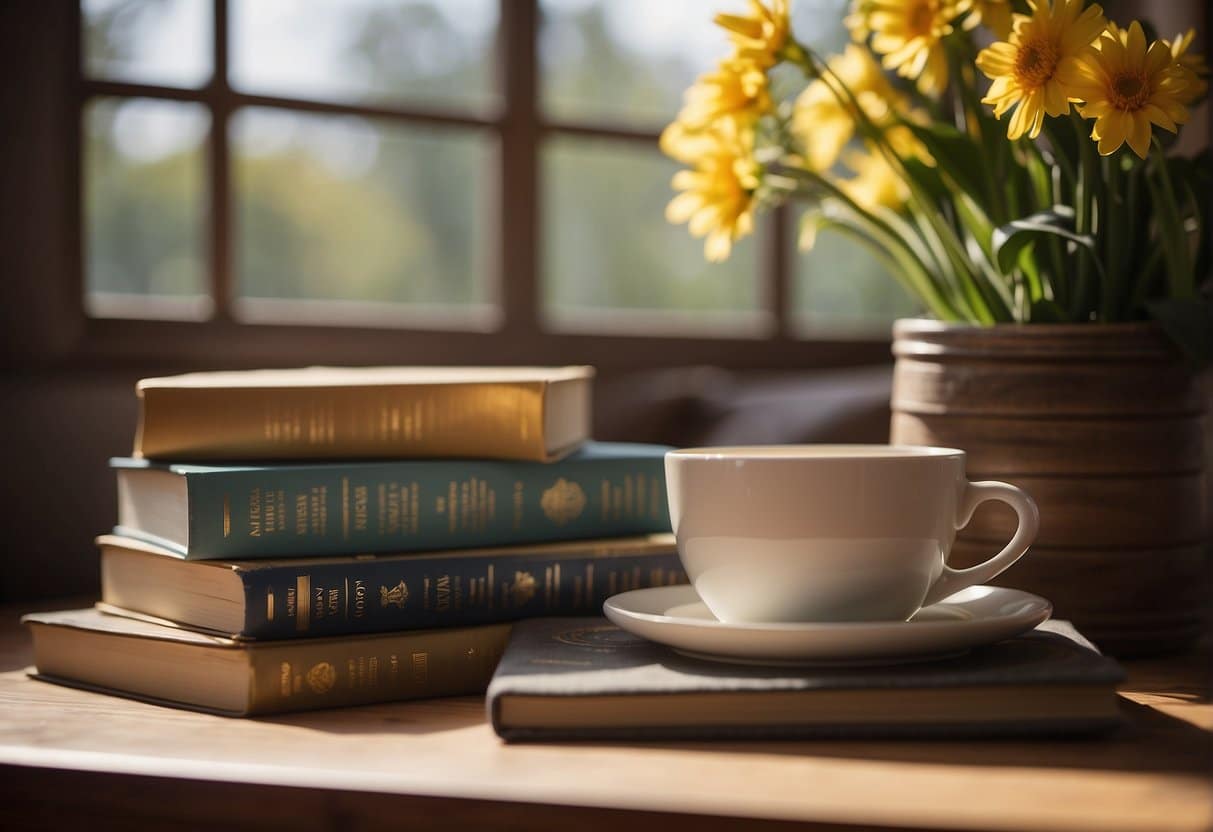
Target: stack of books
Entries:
(298, 539)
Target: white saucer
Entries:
(674, 616)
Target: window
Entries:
(475, 166)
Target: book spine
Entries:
(283, 602)
(421, 506)
(305, 675)
(492, 421)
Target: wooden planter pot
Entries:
(1103, 426)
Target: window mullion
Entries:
(219, 97)
(519, 186)
(776, 272)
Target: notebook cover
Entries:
(569, 657)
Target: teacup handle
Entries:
(954, 580)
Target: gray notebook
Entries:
(583, 678)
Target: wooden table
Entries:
(69, 757)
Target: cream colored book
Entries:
(526, 413)
(143, 658)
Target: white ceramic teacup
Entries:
(829, 532)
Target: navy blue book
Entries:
(333, 596)
(584, 678)
(245, 511)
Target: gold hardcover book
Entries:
(527, 413)
(153, 661)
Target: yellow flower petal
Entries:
(909, 34)
(1038, 71)
(1129, 86)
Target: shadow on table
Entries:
(1150, 741)
(429, 716)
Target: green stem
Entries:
(1180, 278)
(1111, 222)
(1041, 181)
(1135, 254)
(1068, 167)
(916, 272)
(1084, 222)
(987, 305)
(893, 264)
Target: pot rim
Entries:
(932, 325)
(1137, 341)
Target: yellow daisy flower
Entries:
(759, 36)
(1029, 70)
(685, 145)
(1191, 65)
(717, 196)
(857, 21)
(994, 14)
(1127, 88)
(909, 34)
(824, 124)
(875, 183)
(737, 89)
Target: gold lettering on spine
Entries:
(518, 504)
(556, 584)
(269, 605)
(254, 512)
(227, 516)
(303, 591)
(421, 668)
(491, 585)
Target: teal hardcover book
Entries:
(259, 511)
(283, 598)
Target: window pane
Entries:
(144, 183)
(630, 60)
(148, 41)
(623, 59)
(346, 208)
(607, 245)
(436, 52)
(843, 288)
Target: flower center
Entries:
(921, 18)
(1035, 62)
(1129, 91)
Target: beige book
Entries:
(142, 658)
(526, 413)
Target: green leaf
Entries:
(1010, 240)
(1188, 322)
(957, 156)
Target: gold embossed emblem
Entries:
(321, 677)
(396, 596)
(522, 588)
(563, 502)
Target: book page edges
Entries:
(475, 419)
(995, 704)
